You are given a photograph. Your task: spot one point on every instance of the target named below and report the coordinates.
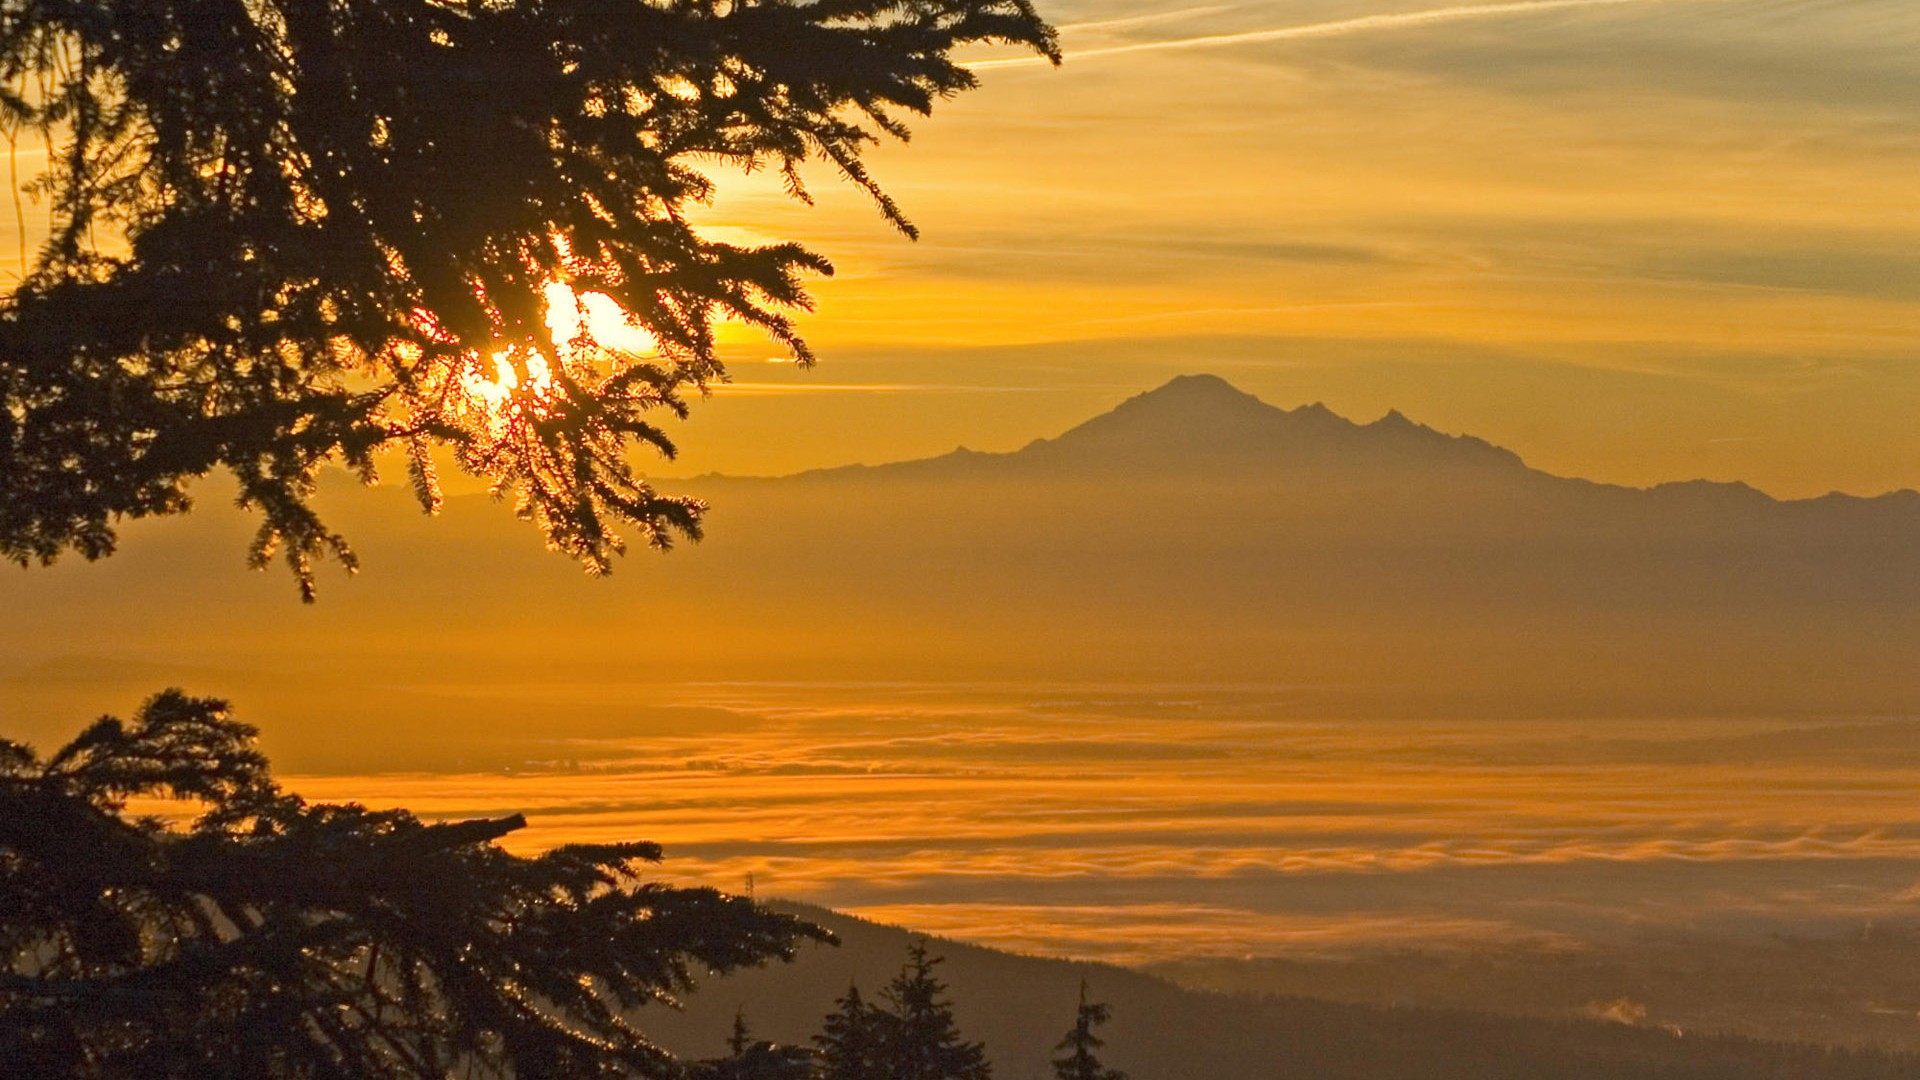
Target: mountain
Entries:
(1191, 534)
(1196, 533)
(1198, 437)
(1202, 422)
(1020, 1005)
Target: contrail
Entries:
(1334, 28)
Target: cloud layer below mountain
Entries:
(1117, 823)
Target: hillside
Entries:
(1020, 1005)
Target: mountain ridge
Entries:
(1202, 420)
(1476, 585)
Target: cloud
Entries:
(750, 388)
(1150, 18)
(1141, 933)
(1821, 57)
(1112, 255)
(1143, 827)
(1838, 269)
(1332, 28)
(1879, 264)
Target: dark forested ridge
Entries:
(1018, 1005)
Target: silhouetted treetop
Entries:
(1079, 1058)
(921, 1040)
(853, 1043)
(749, 1058)
(270, 937)
(288, 232)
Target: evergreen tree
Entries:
(1079, 1062)
(271, 938)
(922, 1042)
(283, 233)
(852, 1042)
(741, 1038)
(289, 232)
(749, 1058)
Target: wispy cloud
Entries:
(1332, 28)
(1089, 822)
(1151, 18)
(765, 389)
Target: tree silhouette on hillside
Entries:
(270, 937)
(749, 1058)
(912, 1036)
(288, 233)
(1079, 1062)
(852, 1043)
(921, 1039)
(283, 233)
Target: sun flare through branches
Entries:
(459, 229)
(591, 335)
(559, 403)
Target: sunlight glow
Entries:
(497, 393)
(609, 325)
(584, 327)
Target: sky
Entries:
(1634, 240)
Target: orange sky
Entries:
(1633, 240)
(1636, 240)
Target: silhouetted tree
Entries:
(283, 233)
(1079, 1061)
(852, 1042)
(268, 937)
(922, 1042)
(740, 1038)
(749, 1058)
(288, 232)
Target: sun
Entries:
(586, 329)
(507, 404)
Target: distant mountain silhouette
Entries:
(1020, 1005)
(1197, 532)
(1198, 435)
(1192, 533)
(1203, 421)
